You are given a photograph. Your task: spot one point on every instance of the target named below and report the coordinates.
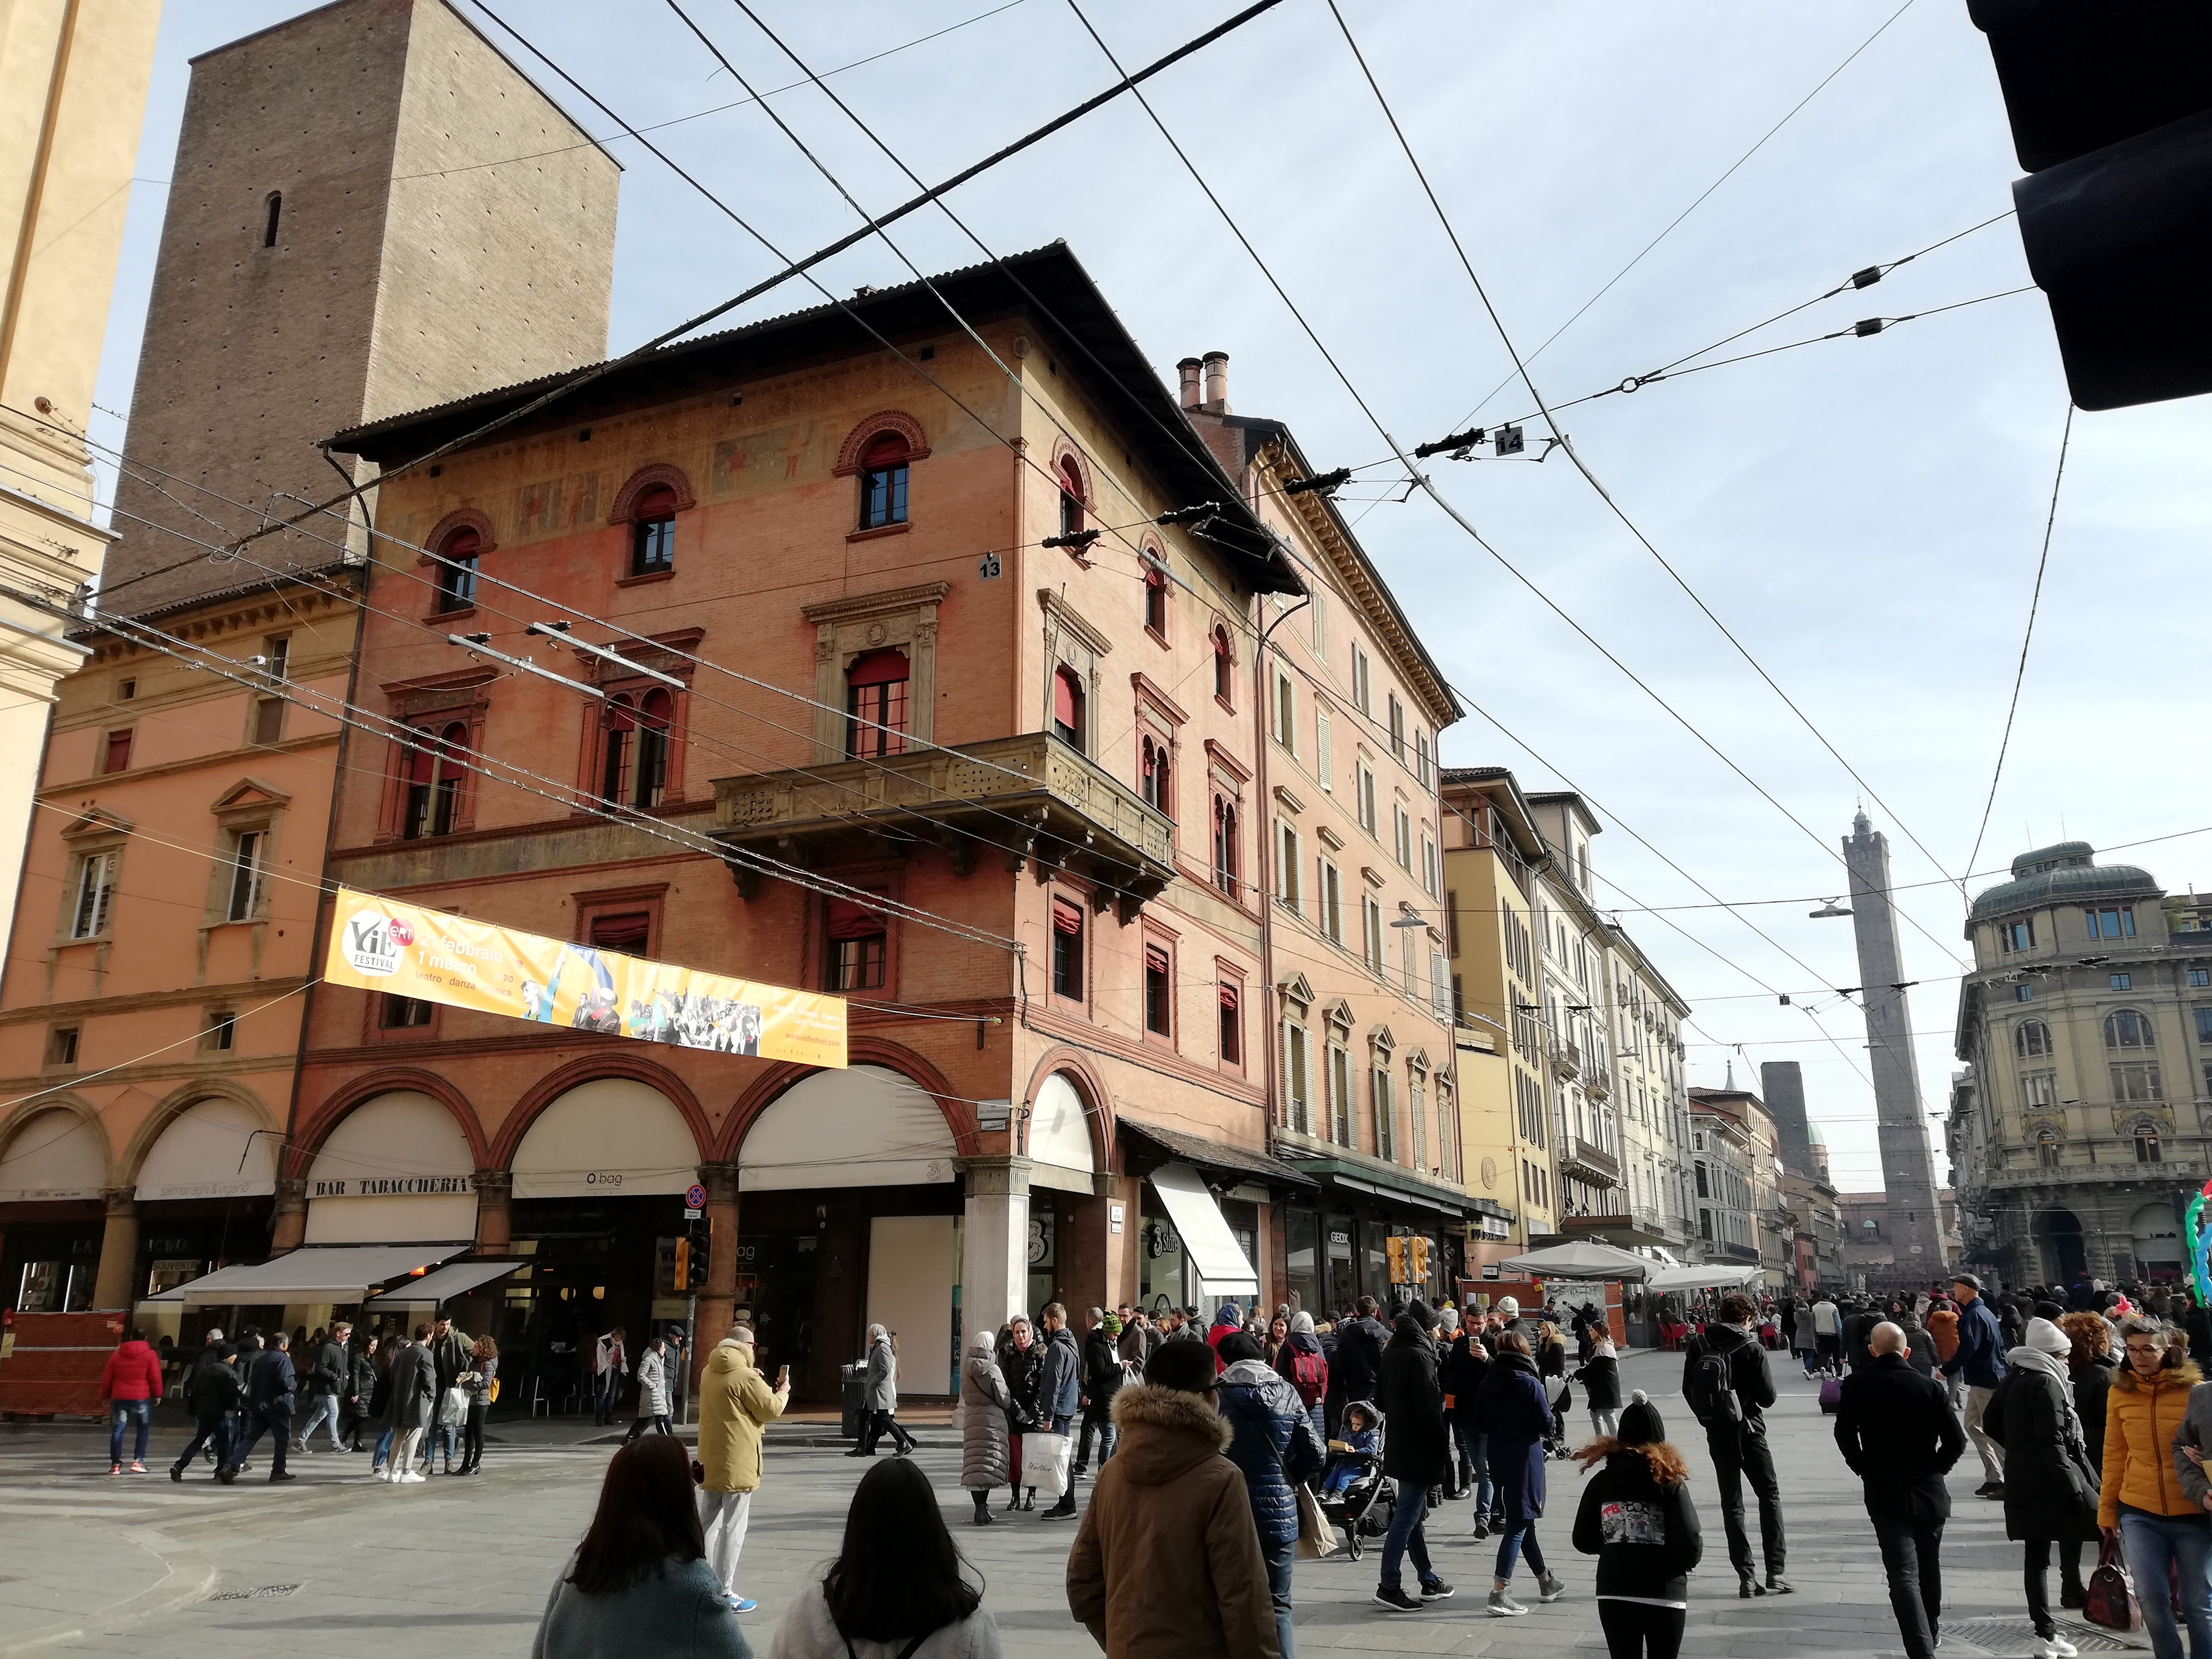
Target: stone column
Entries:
(995, 1267)
(494, 1211)
(118, 1253)
(1086, 1275)
(719, 1300)
(291, 1214)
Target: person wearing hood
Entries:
(1417, 1455)
(1727, 1383)
(1466, 1363)
(1102, 1381)
(1227, 1322)
(130, 1382)
(1637, 1518)
(1166, 1563)
(1896, 1429)
(1300, 1364)
(2050, 1483)
(1272, 1445)
(987, 1410)
(1599, 1376)
(736, 1406)
(1517, 1416)
(2162, 1526)
(1059, 1395)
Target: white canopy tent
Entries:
(1712, 1276)
(1584, 1258)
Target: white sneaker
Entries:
(411, 1478)
(2053, 1647)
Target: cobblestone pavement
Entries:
(135, 1564)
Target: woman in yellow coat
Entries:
(2140, 1502)
(735, 1405)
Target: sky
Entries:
(1864, 516)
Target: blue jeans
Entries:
(1474, 1453)
(1516, 1542)
(122, 1413)
(1406, 1537)
(1278, 1557)
(2149, 1544)
(325, 1406)
(383, 1449)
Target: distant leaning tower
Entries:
(1908, 1178)
(371, 210)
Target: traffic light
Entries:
(681, 1278)
(1420, 1262)
(692, 1265)
(2110, 108)
(1394, 1248)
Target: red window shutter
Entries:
(877, 668)
(848, 919)
(627, 931)
(1229, 998)
(620, 716)
(1063, 700)
(1066, 918)
(462, 545)
(659, 503)
(1156, 959)
(888, 449)
(658, 709)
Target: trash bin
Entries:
(851, 1386)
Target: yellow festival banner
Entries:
(405, 950)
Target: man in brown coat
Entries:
(1167, 1564)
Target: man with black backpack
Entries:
(1728, 1388)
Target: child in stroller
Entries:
(1353, 1482)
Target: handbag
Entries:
(2110, 1600)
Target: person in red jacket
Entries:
(131, 1383)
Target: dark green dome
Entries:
(2065, 873)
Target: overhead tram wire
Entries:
(2026, 638)
(1505, 339)
(1698, 202)
(1428, 488)
(1128, 82)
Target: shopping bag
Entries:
(1832, 1393)
(2111, 1600)
(1317, 1537)
(453, 1408)
(1044, 1461)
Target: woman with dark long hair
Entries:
(639, 1584)
(897, 1590)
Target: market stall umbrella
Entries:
(1713, 1276)
(1584, 1259)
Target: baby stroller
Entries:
(1363, 1509)
(1555, 1392)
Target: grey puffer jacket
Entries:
(1271, 1434)
(651, 1384)
(985, 1399)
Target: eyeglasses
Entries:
(2145, 1350)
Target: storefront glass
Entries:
(1302, 1259)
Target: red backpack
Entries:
(1309, 1377)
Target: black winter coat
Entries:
(360, 1389)
(1465, 1366)
(1517, 1417)
(1644, 1531)
(1019, 1366)
(1896, 1430)
(332, 1366)
(2050, 1481)
(1101, 1374)
(1358, 1362)
(1600, 1380)
(214, 1391)
(1416, 1446)
(2093, 1386)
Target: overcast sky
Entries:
(1864, 515)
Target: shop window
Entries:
(247, 852)
(2125, 1028)
(402, 1013)
(876, 706)
(116, 755)
(61, 1044)
(1159, 992)
(1071, 498)
(629, 931)
(1156, 600)
(1225, 662)
(436, 763)
(1067, 950)
(94, 896)
(1154, 779)
(882, 481)
(859, 945)
(1232, 1023)
(457, 570)
(1225, 847)
(653, 533)
(1067, 708)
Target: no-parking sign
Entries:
(695, 1197)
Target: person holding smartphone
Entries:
(736, 1406)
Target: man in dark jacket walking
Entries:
(1102, 1381)
(327, 1384)
(1059, 1392)
(1465, 1364)
(1416, 1453)
(1979, 1361)
(212, 1393)
(269, 1387)
(1727, 1386)
(1896, 1429)
(1357, 1361)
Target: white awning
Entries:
(334, 1272)
(1212, 1248)
(443, 1283)
(1711, 1276)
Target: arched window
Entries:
(435, 764)
(2031, 1039)
(2046, 1150)
(1224, 680)
(653, 533)
(1071, 497)
(2126, 1029)
(1225, 846)
(1156, 599)
(275, 212)
(876, 703)
(882, 481)
(457, 575)
(1152, 776)
(2146, 1144)
(1067, 708)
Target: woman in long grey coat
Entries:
(880, 1398)
(986, 1458)
(413, 1394)
(652, 1390)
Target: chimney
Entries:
(1216, 381)
(1188, 368)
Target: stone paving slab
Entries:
(127, 1566)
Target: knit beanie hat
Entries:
(1449, 1319)
(1508, 1306)
(1302, 1324)
(1110, 1323)
(1240, 1345)
(2046, 1338)
(1187, 1367)
(1640, 1422)
(1418, 1311)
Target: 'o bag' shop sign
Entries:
(392, 1187)
(405, 950)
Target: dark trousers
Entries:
(1278, 1557)
(1741, 1454)
(1637, 1629)
(1911, 1557)
(276, 1425)
(640, 1427)
(472, 1437)
(2035, 1579)
(876, 1426)
(210, 1431)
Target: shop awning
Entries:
(1206, 1236)
(444, 1284)
(328, 1273)
(1215, 1155)
(1380, 1181)
(1712, 1276)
